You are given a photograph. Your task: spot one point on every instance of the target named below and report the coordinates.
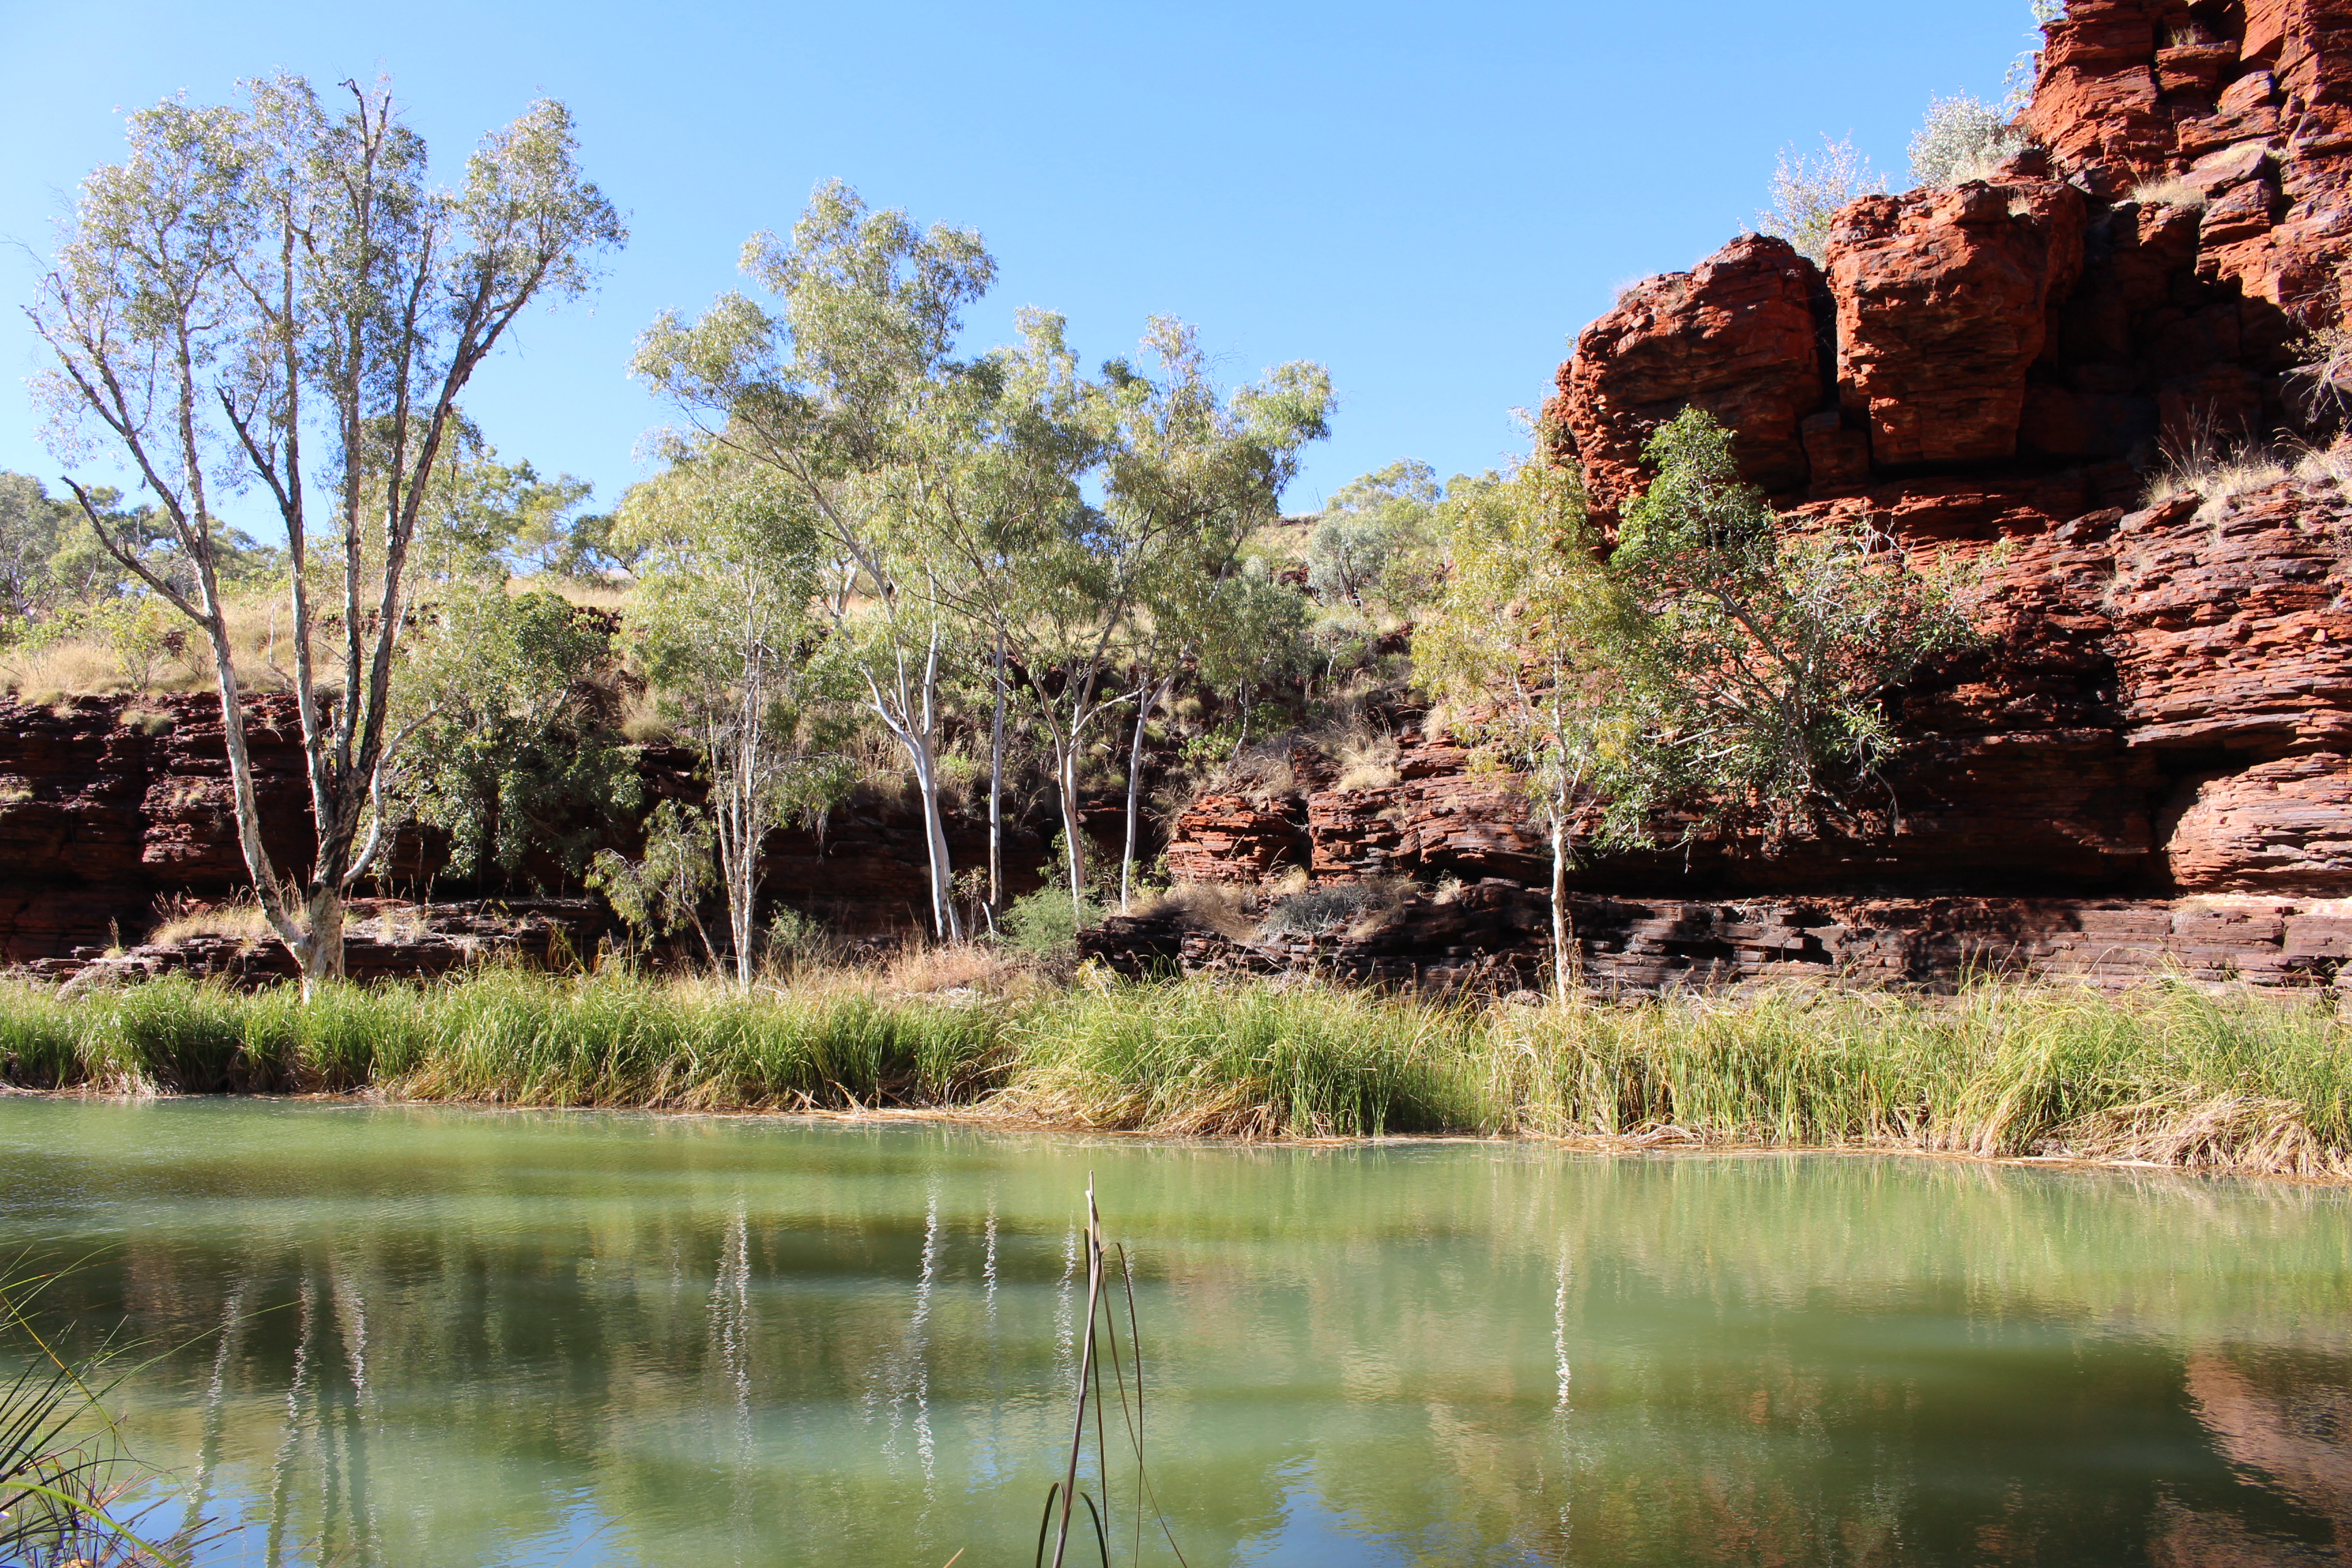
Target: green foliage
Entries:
(1719, 667)
(795, 938)
(1809, 189)
(1045, 924)
(515, 757)
(488, 518)
(727, 628)
(1962, 139)
(1750, 661)
(661, 893)
(273, 297)
(57, 580)
(1375, 544)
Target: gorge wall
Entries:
(2163, 711)
(2148, 763)
(112, 806)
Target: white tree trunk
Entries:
(1153, 694)
(1074, 837)
(1564, 957)
(996, 789)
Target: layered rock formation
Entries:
(1991, 374)
(110, 808)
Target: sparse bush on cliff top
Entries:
(1808, 190)
(1963, 138)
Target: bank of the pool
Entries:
(2168, 1075)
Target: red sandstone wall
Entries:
(1989, 372)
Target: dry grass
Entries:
(181, 917)
(614, 596)
(1366, 762)
(1262, 775)
(2170, 191)
(642, 723)
(934, 968)
(1218, 907)
(2218, 475)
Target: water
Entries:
(430, 1338)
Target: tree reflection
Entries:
(446, 1339)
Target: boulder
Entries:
(1944, 302)
(1738, 335)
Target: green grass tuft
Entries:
(2166, 1075)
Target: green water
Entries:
(430, 1338)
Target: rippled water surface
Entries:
(439, 1339)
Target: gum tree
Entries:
(1520, 638)
(1755, 653)
(1113, 598)
(727, 626)
(274, 298)
(1721, 664)
(829, 393)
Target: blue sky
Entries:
(1429, 199)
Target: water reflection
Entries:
(440, 1338)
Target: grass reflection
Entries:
(451, 1337)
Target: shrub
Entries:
(1808, 191)
(1327, 904)
(1963, 138)
(1045, 924)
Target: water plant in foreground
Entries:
(2166, 1075)
(63, 1473)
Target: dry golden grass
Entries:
(2171, 191)
(1218, 907)
(1367, 762)
(934, 967)
(2217, 478)
(181, 918)
(615, 596)
(642, 721)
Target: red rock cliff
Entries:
(1992, 371)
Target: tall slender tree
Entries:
(275, 297)
(726, 622)
(829, 393)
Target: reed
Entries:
(2168, 1075)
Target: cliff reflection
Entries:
(446, 1339)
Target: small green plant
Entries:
(793, 938)
(662, 891)
(1045, 924)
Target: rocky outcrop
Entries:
(1740, 335)
(1943, 305)
(1990, 376)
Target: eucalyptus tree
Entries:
(1115, 598)
(1520, 639)
(1758, 655)
(1008, 439)
(726, 623)
(273, 297)
(833, 394)
(1719, 664)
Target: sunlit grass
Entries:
(2166, 1075)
